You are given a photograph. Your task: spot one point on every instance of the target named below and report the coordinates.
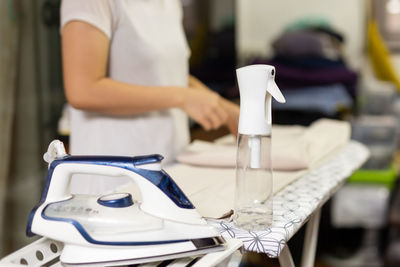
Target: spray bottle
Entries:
(253, 194)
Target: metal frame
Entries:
(309, 245)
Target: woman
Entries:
(126, 77)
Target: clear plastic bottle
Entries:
(253, 194)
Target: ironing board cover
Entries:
(294, 204)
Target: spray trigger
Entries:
(273, 90)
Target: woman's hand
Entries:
(227, 110)
(233, 111)
(205, 107)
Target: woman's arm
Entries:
(85, 55)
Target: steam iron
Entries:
(114, 229)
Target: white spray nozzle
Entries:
(257, 87)
(54, 151)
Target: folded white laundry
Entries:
(211, 190)
(293, 147)
(206, 171)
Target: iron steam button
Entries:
(116, 200)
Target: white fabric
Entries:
(293, 147)
(147, 47)
(211, 188)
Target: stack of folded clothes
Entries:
(312, 73)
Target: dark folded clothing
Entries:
(298, 44)
(306, 62)
(290, 77)
(329, 31)
(307, 43)
(327, 99)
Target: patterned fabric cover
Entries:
(294, 204)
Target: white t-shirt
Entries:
(147, 47)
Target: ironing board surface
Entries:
(298, 199)
(294, 205)
(211, 187)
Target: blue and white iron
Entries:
(114, 229)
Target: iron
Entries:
(116, 229)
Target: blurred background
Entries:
(335, 58)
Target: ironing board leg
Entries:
(285, 257)
(310, 240)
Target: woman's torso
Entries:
(147, 47)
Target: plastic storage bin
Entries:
(377, 97)
(363, 205)
(380, 134)
(396, 114)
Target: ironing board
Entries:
(296, 204)
(46, 252)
